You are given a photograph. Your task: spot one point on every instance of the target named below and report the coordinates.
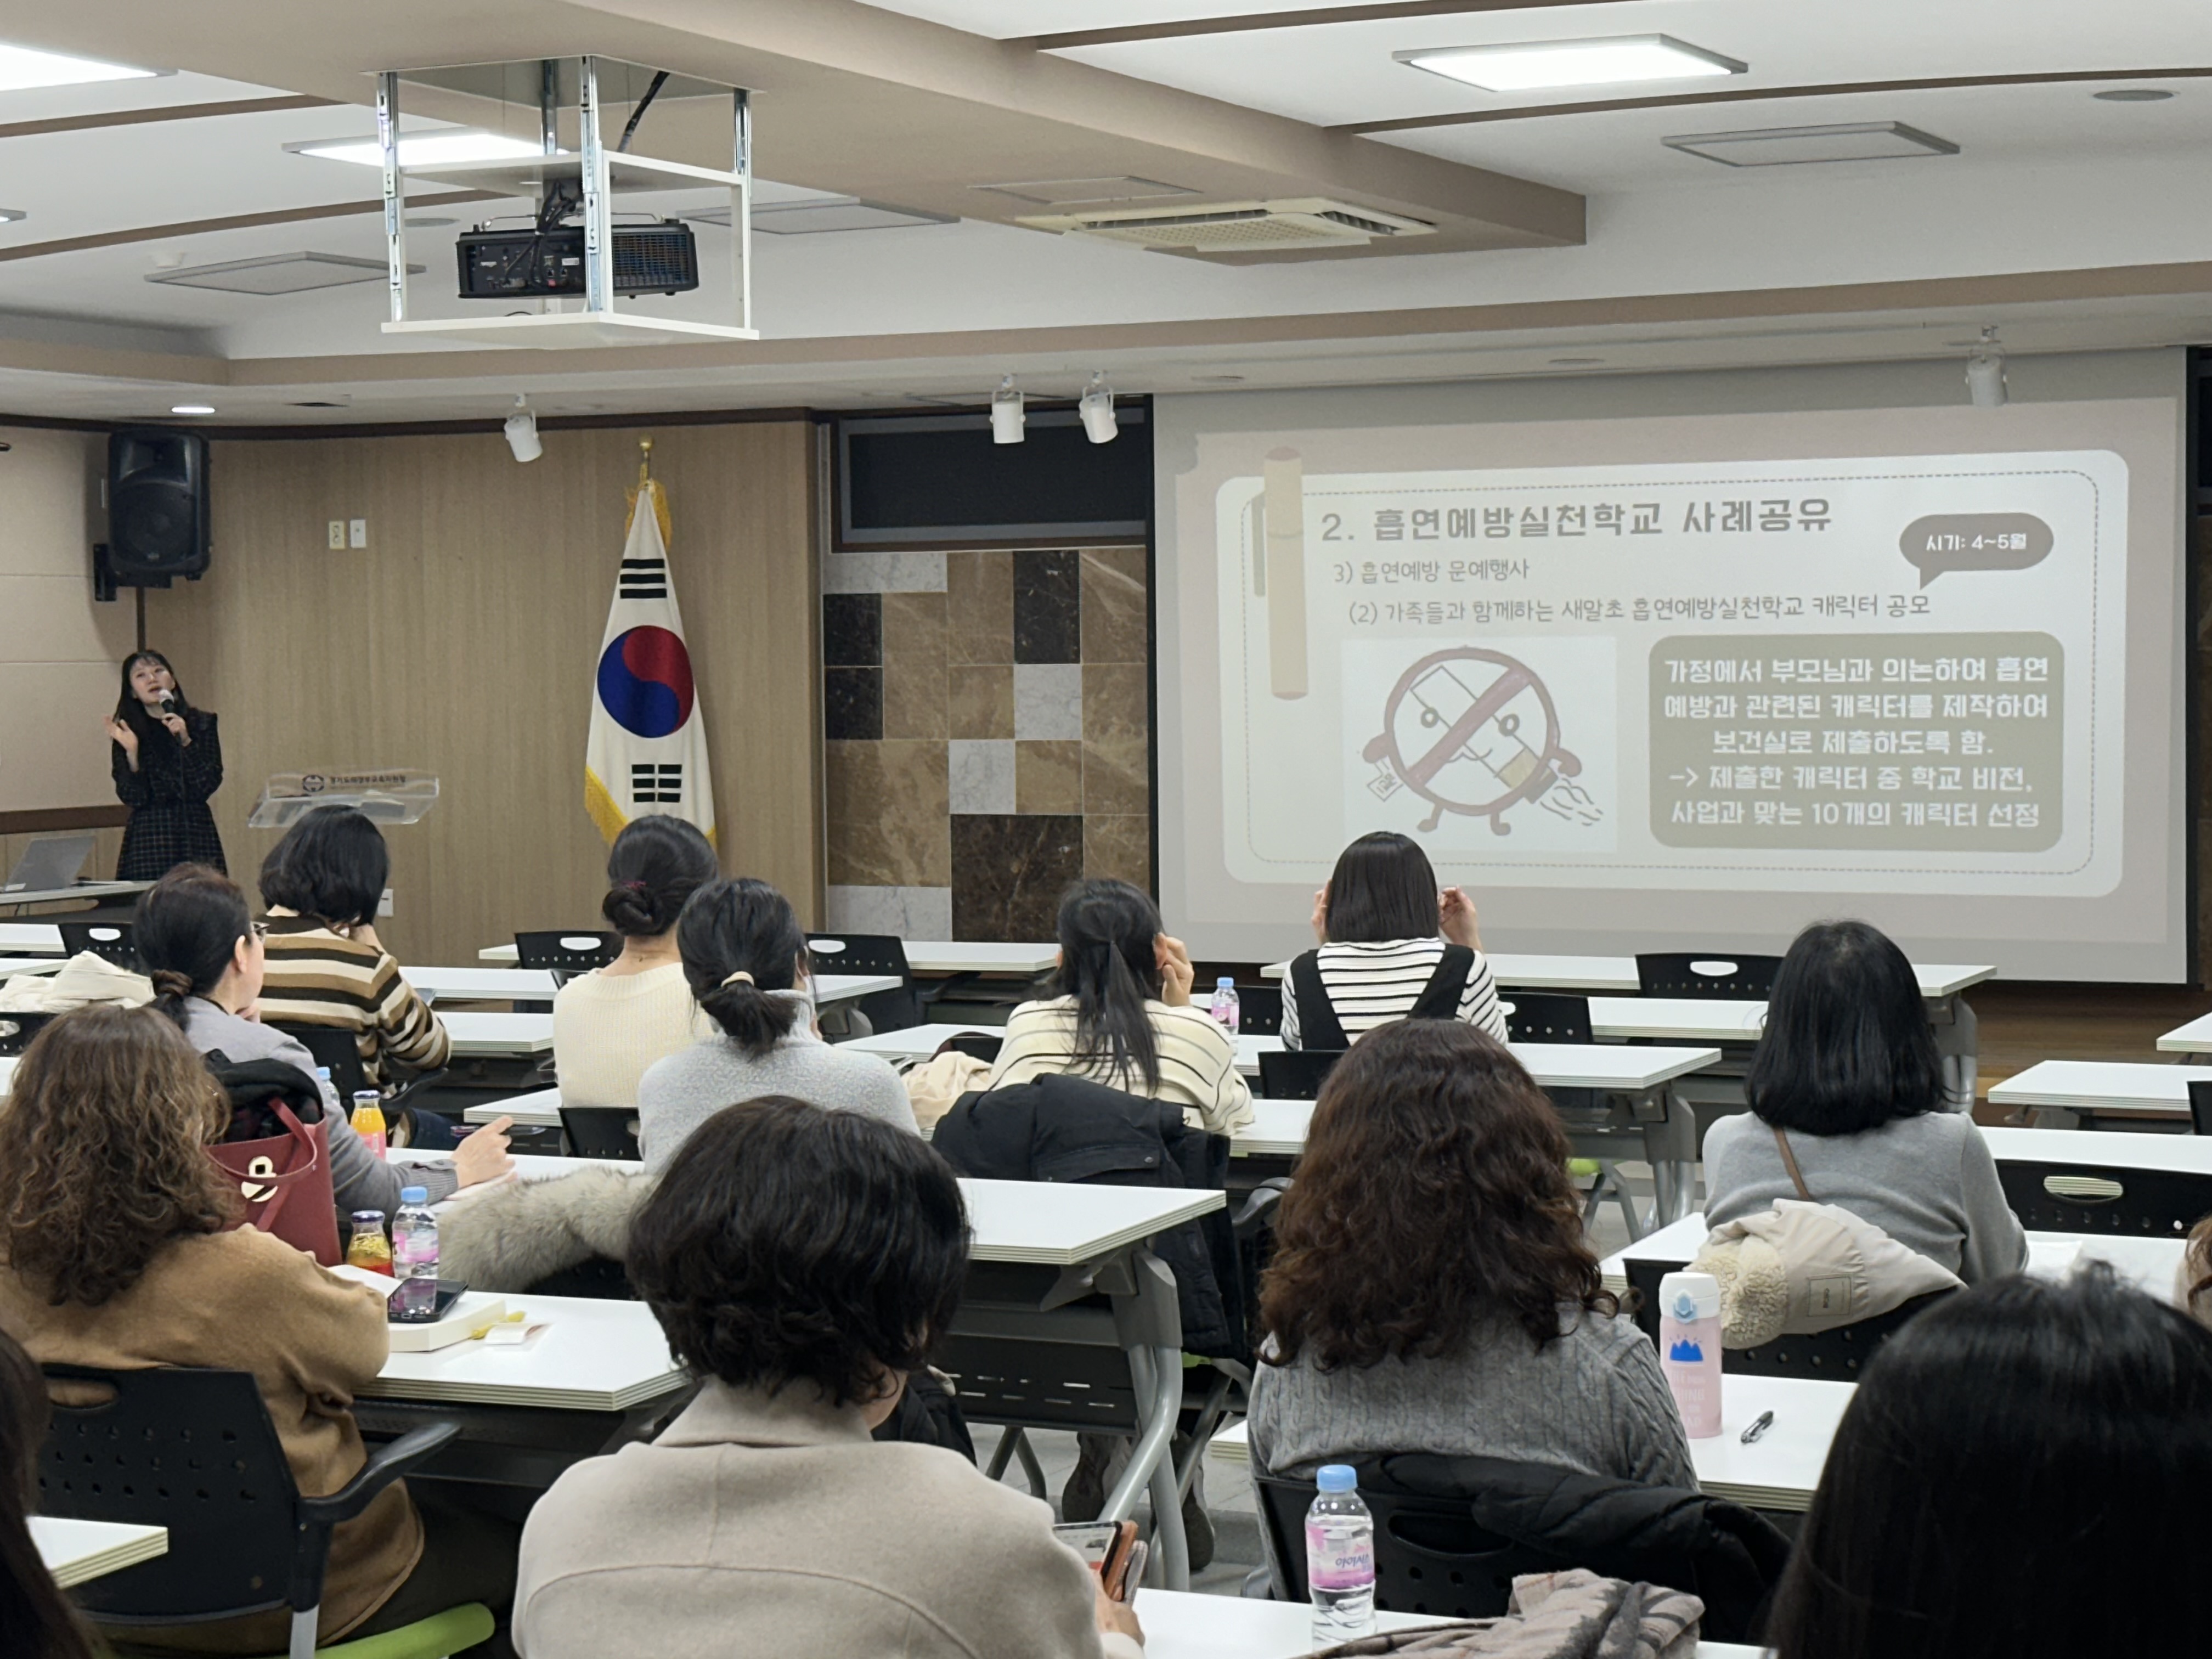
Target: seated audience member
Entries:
(2019, 1476)
(1847, 1074)
(37, 1617)
(118, 1249)
(1431, 1289)
(745, 960)
(205, 956)
(1120, 1014)
(322, 883)
(1392, 947)
(2192, 1275)
(803, 1262)
(610, 1024)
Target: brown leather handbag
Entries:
(278, 1154)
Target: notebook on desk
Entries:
(48, 863)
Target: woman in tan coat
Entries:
(118, 1250)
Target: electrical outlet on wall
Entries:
(338, 532)
(357, 533)
(384, 903)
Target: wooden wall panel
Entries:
(463, 640)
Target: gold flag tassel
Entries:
(646, 481)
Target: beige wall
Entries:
(59, 651)
(463, 639)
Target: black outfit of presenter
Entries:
(167, 790)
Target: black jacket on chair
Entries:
(1071, 1129)
(1722, 1552)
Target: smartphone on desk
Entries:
(1110, 1548)
(449, 1290)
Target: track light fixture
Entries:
(1985, 372)
(521, 430)
(1097, 409)
(1006, 417)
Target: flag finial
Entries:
(644, 462)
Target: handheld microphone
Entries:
(169, 702)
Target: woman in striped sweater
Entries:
(322, 883)
(1392, 947)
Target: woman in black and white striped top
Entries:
(1392, 947)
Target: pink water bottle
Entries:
(1690, 1349)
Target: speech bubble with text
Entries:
(1974, 541)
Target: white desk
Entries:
(933, 957)
(2182, 1154)
(83, 889)
(2061, 1091)
(593, 1356)
(536, 984)
(539, 1109)
(7, 1071)
(31, 965)
(1061, 1224)
(2194, 1038)
(1616, 975)
(1179, 1625)
(526, 1168)
(77, 1551)
(31, 939)
(478, 1036)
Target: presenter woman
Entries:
(168, 761)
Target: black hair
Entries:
(332, 865)
(187, 928)
(742, 924)
(655, 864)
(1383, 888)
(132, 712)
(785, 1243)
(38, 1619)
(2019, 1476)
(1847, 1045)
(1109, 964)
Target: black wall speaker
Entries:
(157, 507)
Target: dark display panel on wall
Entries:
(937, 480)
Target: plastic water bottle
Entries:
(1224, 1007)
(1339, 1557)
(1690, 1349)
(368, 1121)
(414, 1257)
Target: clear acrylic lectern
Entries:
(398, 795)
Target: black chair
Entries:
(1295, 1074)
(108, 940)
(1259, 1008)
(17, 1031)
(1532, 1017)
(873, 953)
(577, 950)
(194, 1451)
(333, 1047)
(609, 1132)
(2107, 1198)
(1835, 1355)
(1717, 976)
(976, 1046)
(2200, 1109)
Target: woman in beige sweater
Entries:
(118, 1249)
(609, 1025)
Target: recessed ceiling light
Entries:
(1575, 362)
(22, 68)
(1536, 65)
(2133, 95)
(192, 409)
(419, 149)
(1781, 147)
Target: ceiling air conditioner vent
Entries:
(1238, 227)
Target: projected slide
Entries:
(1874, 673)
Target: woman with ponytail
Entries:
(1120, 1014)
(205, 955)
(611, 1023)
(745, 961)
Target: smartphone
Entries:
(1108, 1548)
(449, 1290)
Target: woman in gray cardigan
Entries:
(1846, 1077)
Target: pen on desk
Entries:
(1765, 1421)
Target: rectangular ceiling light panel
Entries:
(1783, 147)
(278, 273)
(22, 68)
(1541, 65)
(423, 150)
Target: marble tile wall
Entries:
(988, 736)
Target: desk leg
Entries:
(1158, 1375)
(1957, 1039)
(1670, 1145)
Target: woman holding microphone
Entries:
(166, 760)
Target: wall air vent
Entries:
(1238, 227)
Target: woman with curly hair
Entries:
(119, 1249)
(1432, 1289)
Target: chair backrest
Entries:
(1259, 1008)
(1295, 1074)
(189, 1450)
(1722, 975)
(2200, 1109)
(859, 953)
(2105, 1199)
(579, 949)
(1430, 1556)
(332, 1046)
(1534, 1018)
(1835, 1355)
(1010, 1363)
(108, 940)
(17, 1031)
(976, 1046)
(601, 1132)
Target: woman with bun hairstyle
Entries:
(610, 1024)
(745, 960)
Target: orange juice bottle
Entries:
(368, 1247)
(369, 1119)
